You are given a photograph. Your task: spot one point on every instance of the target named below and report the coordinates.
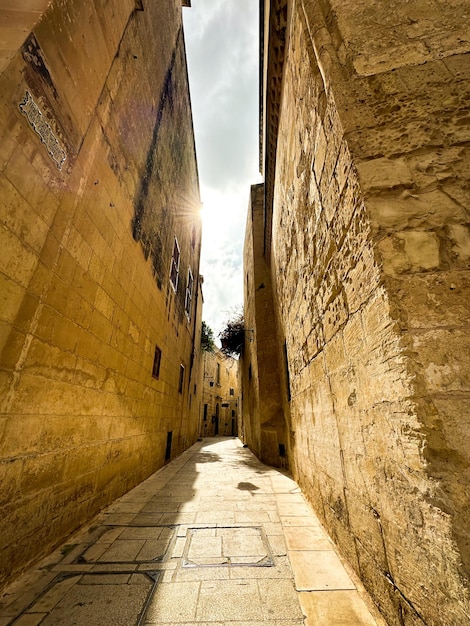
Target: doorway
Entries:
(169, 437)
(216, 425)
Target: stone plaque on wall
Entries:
(37, 121)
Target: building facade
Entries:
(100, 295)
(357, 285)
(220, 400)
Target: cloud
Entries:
(224, 217)
(222, 55)
(222, 50)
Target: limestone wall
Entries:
(16, 21)
(220, 406)
(264, 428)
(97, 176)
(369, 262)
(250, 417)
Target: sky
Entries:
(222, 54)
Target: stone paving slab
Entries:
(214, 538)
(335, 608)
(319, 570)
(307, 538)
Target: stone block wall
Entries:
(369, 264)
(98, 176)
(264, 428)
(16, 21)
(250, 417)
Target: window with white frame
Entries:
(189, 294)
(175, 265)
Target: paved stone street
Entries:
(214, 538)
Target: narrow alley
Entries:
(215, 537)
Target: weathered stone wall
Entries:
(369, 259)
(220, 408)
(409, 138)
(97, 177)
(264, 428)
(16, 21)
(250, 418)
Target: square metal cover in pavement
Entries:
(228, 546)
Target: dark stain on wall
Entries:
(38, 77)
(166, 203)
(32, 55)
(144, 228)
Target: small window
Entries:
(217, 375)
(195, 388)
(181, 381)
(189, 294)
(232, 391)
(175, 265)
(249, 372)
(156, 362)
(233, 413)
(205, 412)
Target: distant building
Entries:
(100, 236)
(220, 395)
